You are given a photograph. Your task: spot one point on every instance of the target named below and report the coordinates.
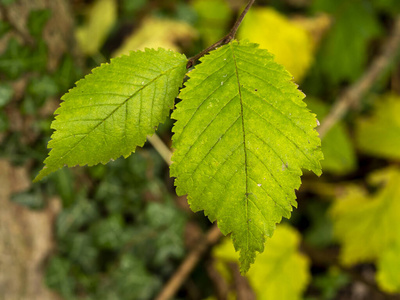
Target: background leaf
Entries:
(388, 275)
(384, 119)
(363, 223)
(155, 32)
(344, 52)
(100, 19)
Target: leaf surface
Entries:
(112, 110)
(379, 134)
(242, 136)
(281, 272)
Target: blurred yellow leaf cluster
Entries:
(280, 272)
(292, 42)
(385, 119)
(155, 33)
(100, 19)
(368, 226)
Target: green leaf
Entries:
(389, 6)
(364, 224)
(112, 110)
(379, 135)
(242, 136)
(58, 276)
(18, 59)
(339, 154)
(344, 53)
(4, 27)
(281, 272)
(129, 280)
(37, 20)
(330, 283)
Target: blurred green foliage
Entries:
(120, 233)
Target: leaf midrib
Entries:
(244, 144)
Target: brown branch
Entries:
(225, 40)
(221, 287)
(352, 96)
(189, 263)
(242, 285)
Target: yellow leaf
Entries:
(366, 225)
(291, 44)
(280, 272)
(98, 23)
(155, 33)
(379, 134)
(388, 276)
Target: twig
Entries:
(161, 148)
(354, 93)
(221, 287)
(225, 40)
(243, 288)
(189, 263)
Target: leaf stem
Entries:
(225, 40)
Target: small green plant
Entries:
(242, 131)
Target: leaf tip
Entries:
(43, 173)
(246, 259)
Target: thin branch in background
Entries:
(221, 287)
(352, 96)
(191, 260)
(225, 40)
(242, 286)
